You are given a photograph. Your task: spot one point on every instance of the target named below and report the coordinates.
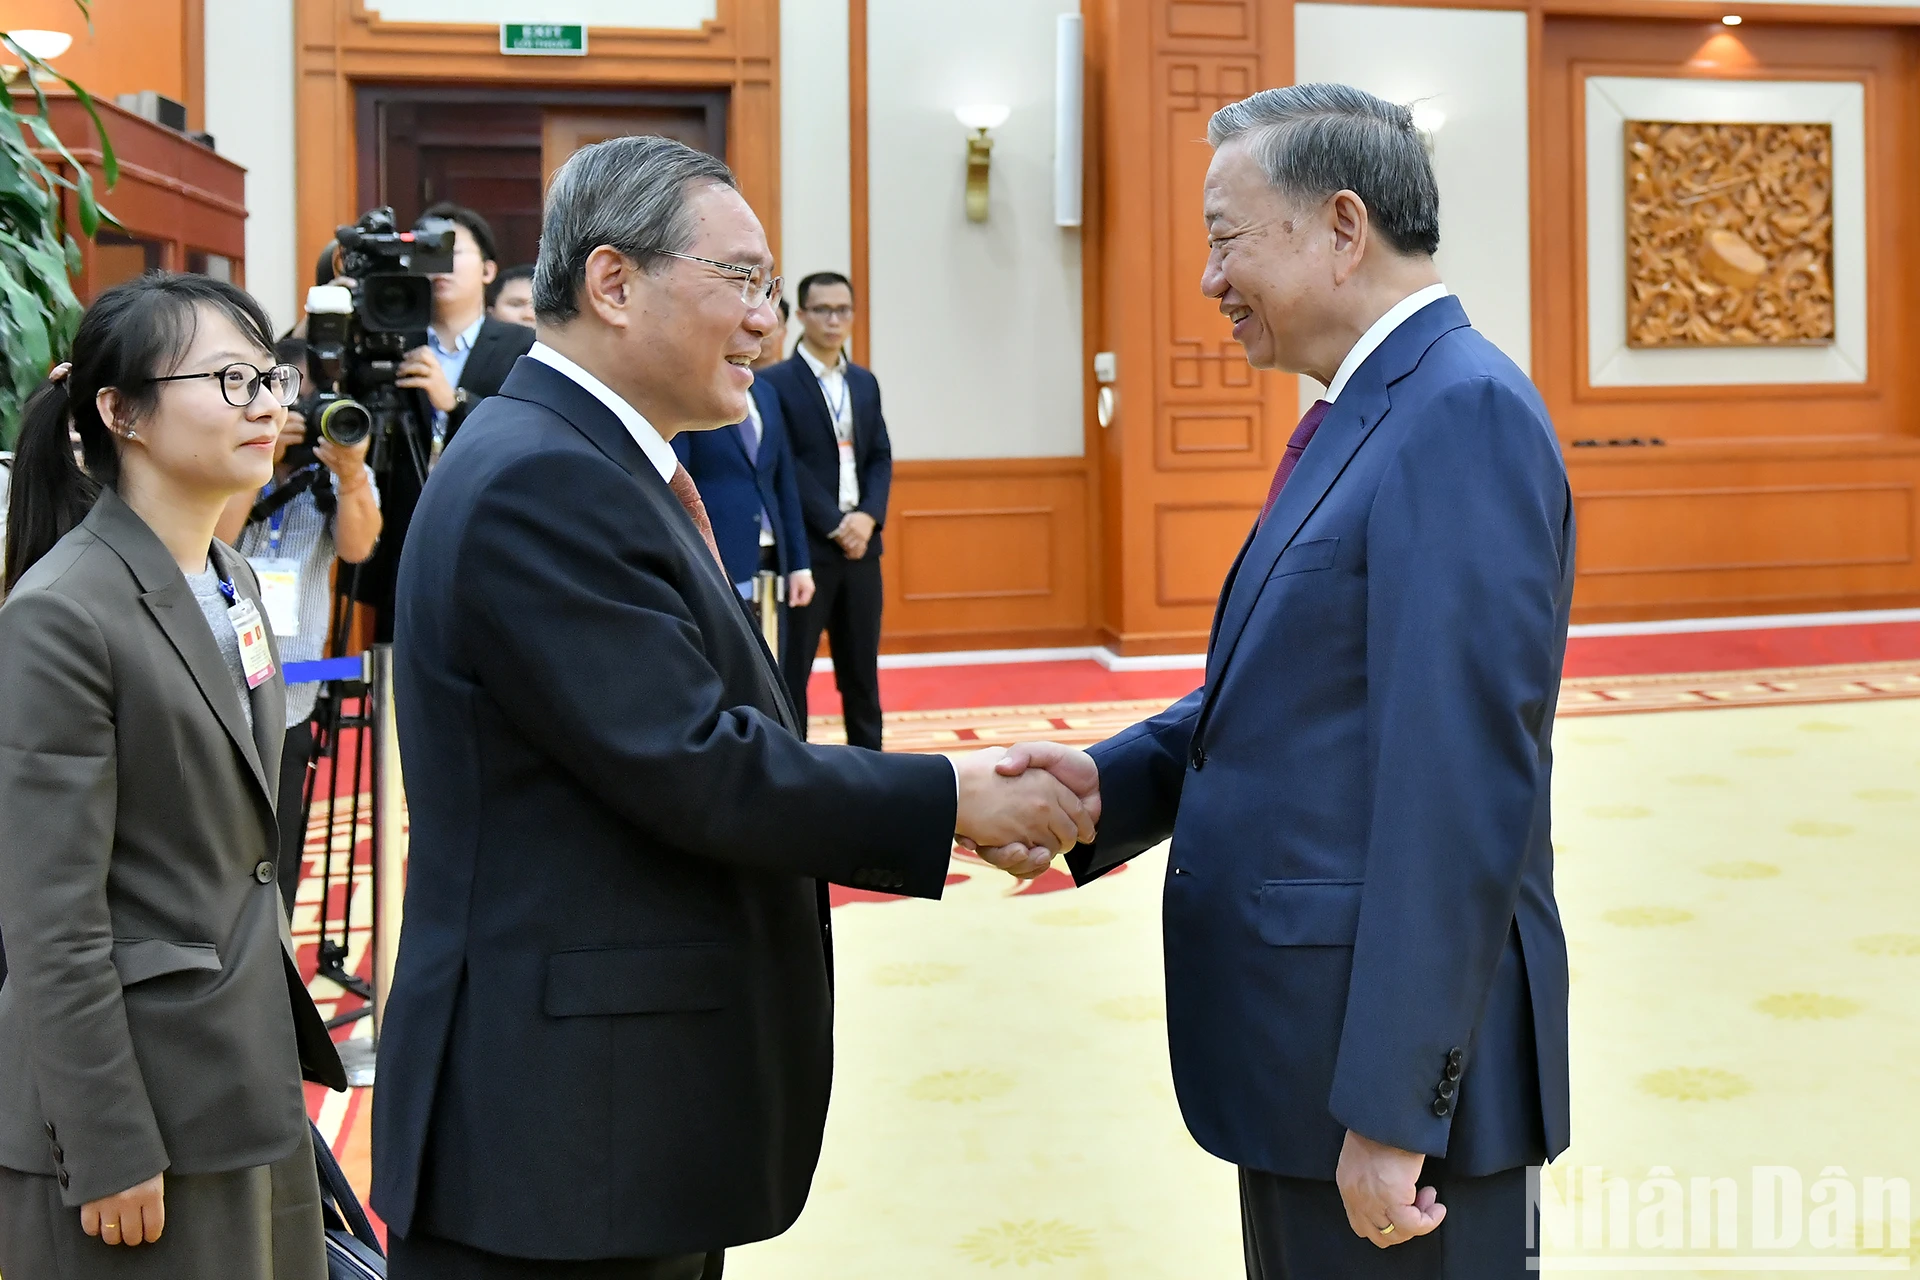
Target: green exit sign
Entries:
(549, 38)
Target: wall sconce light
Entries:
(980, 152)
(44, 45)
(1427, 120)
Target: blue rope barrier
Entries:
(353, 667)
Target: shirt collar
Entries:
(658, 451)
(1397, 315)
(822, 370)
(464, 341)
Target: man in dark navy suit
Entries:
(839, 437)
(745, 474)
(1366, 975)
(609, 1040)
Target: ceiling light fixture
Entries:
(1731, 20)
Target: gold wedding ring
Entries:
(1387, 1230)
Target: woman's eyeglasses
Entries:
(241, 382)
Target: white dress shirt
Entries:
(1397, 315)
(839, 398)
(658, 451)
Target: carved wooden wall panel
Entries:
(1729, 234)
(1753, 499)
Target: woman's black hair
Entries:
(133, 333)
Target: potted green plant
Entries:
(38, 257)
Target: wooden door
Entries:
(493, 150)
(567, 129)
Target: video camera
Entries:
(358, 333)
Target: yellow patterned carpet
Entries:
(1741, 891)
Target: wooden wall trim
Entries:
(1684, 10)
(340, 44)
(859, 209)
(193, 58)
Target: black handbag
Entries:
(353, 1251)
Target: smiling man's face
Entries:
(1269, 266)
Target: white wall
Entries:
(249, 52)
(975, 326)
(649, 14)
(816, 222)
(1471, 64)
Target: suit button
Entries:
(59, 1156)
(51, 1135)
(263, 871)
(1455, 1057)
(65, 1178)
(1442, 1108)
(1447, 1087)
(1199, 756)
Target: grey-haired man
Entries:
(609, 1041)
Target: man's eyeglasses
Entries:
(829, 313)
(241, 382)
(756, 287)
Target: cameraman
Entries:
(468, 353)
(321, 505)
(466, 357)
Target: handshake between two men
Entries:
(1021, 806)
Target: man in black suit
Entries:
(466, 357)
(608, 1044)
(745, 474)
(839, 439)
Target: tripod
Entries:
(344, 731)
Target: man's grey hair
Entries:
(629, 193)
(1312, 140)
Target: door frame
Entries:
(341, 45)
(370, 97)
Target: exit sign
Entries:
(551, 38)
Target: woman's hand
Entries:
(136, 1216)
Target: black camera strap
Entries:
(307, 477)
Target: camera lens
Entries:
(346, 423)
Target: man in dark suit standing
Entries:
(465, 358)
(745, 474)
(845, 461)
(1366, 974)
(608, 1044)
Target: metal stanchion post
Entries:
(389, 834)
(766, 595)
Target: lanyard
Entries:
(835, 410)
(226, 588)
(279, 516)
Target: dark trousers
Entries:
(426, 1257)
(292, 808)
(846, 605)
(1296, 1229)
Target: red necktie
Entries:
(1296, 446)
(683, 489)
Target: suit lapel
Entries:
(167, 597)
(1347, 426)
(480, 354)
(541, 384)
(815, 398)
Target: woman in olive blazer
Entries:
(152, 1026)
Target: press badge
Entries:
(280, 593)
(256, 657)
